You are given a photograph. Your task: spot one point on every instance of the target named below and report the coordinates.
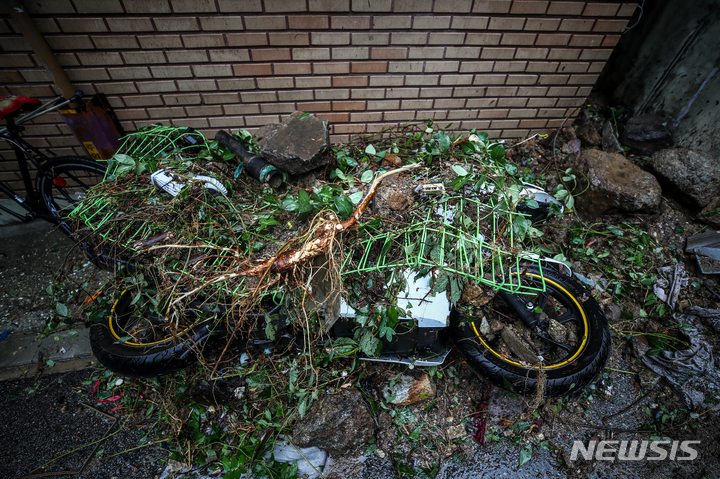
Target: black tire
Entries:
(566, 371)
(135, 343)
(64, 184)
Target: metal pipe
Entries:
(40, 47)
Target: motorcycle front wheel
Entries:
(564, 353)
(136, 341)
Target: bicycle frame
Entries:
(24, 151)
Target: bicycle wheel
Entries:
(64, 185)
(136, 341)
(569, 347)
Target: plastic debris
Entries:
(4, 334)
(692, 372)
(672, 279)
(310, 460)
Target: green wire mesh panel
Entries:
(459, 236)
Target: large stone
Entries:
(336, 423)
(711, 213)
(587, 129)
(694, 173)
(297, 145)
(647, 134)
(610, 142)
(615, 183)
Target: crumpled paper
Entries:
(672, 280)
(694, 373)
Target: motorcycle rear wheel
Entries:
(134, 341)
(568, 366)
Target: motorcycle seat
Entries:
(11, 105)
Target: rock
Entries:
(557, 332)
(646, 134)
(405, 389)
(296, 145)
(640, 346)
(615, 183)
(496, 325)
(612, 312)
(515, 344)
(476, 295)
(485, 326)
(610, 142)
(336, 423)
(648, 379)
(572, 147)
(711, 213)
(397, 201)
(587, 129)
(694, 173)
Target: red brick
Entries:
(182, 99)
(573, 67)
(369, 67)
(364, 117)
(462, 114)
(258, 96)
(486, 113)
(304, 54)
(203, 41)
(308, 22)
(224, 23)
(399, 115)
(433, 22)
(159, 42)
(596, 67)
(240, 109)
(566, 8)
(552, 39)
(212, 71)
(611, 40)
(518, 39)
(349, 81)
(542, 102)
(315, 106)
(506, 23)
(261, 120)
(491, 6)
(233, 84)
(289, 38)
(277, 107)
(246, 39)
(551, 112)
(313, 82)
(584, 91)
(294, 68)
(583, 79)
(570, 102)
(187, 56)
(502, 124)
(176, 24)
(405, 67)
(350, 23)
(520, 7)
(295, 95)
(87, 74)
(483, 38)
(144, 57)
(270, 54)
(586, 40)
(275, 83)
(532, 123)
(252, 69)
(229, 55)
(196, 85)
(450, 103)
(348, 105)
(522, 113)
(388, 53)
(601, 9)
(156, 86)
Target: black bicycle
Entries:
(60, 181)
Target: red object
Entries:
(11, 104)
(95, 388)
(112, 399)
(116, 408)
(60, 182)
(480, 416)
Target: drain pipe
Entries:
(41, 48)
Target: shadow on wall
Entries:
(668, 64)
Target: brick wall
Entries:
(510, 68)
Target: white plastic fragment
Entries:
(310, 460)
(172, 184)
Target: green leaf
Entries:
(497, 153)
(356, 197)
(443, 141)
(302, 408)
(525, 455)
(290, 205)
(368, 343)
(304, 115)
(459, 170)
(370, 150)
(50, 363)
(367, 176)
(304, 205)
(62, 310)
(344, 206)
(469, 147)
